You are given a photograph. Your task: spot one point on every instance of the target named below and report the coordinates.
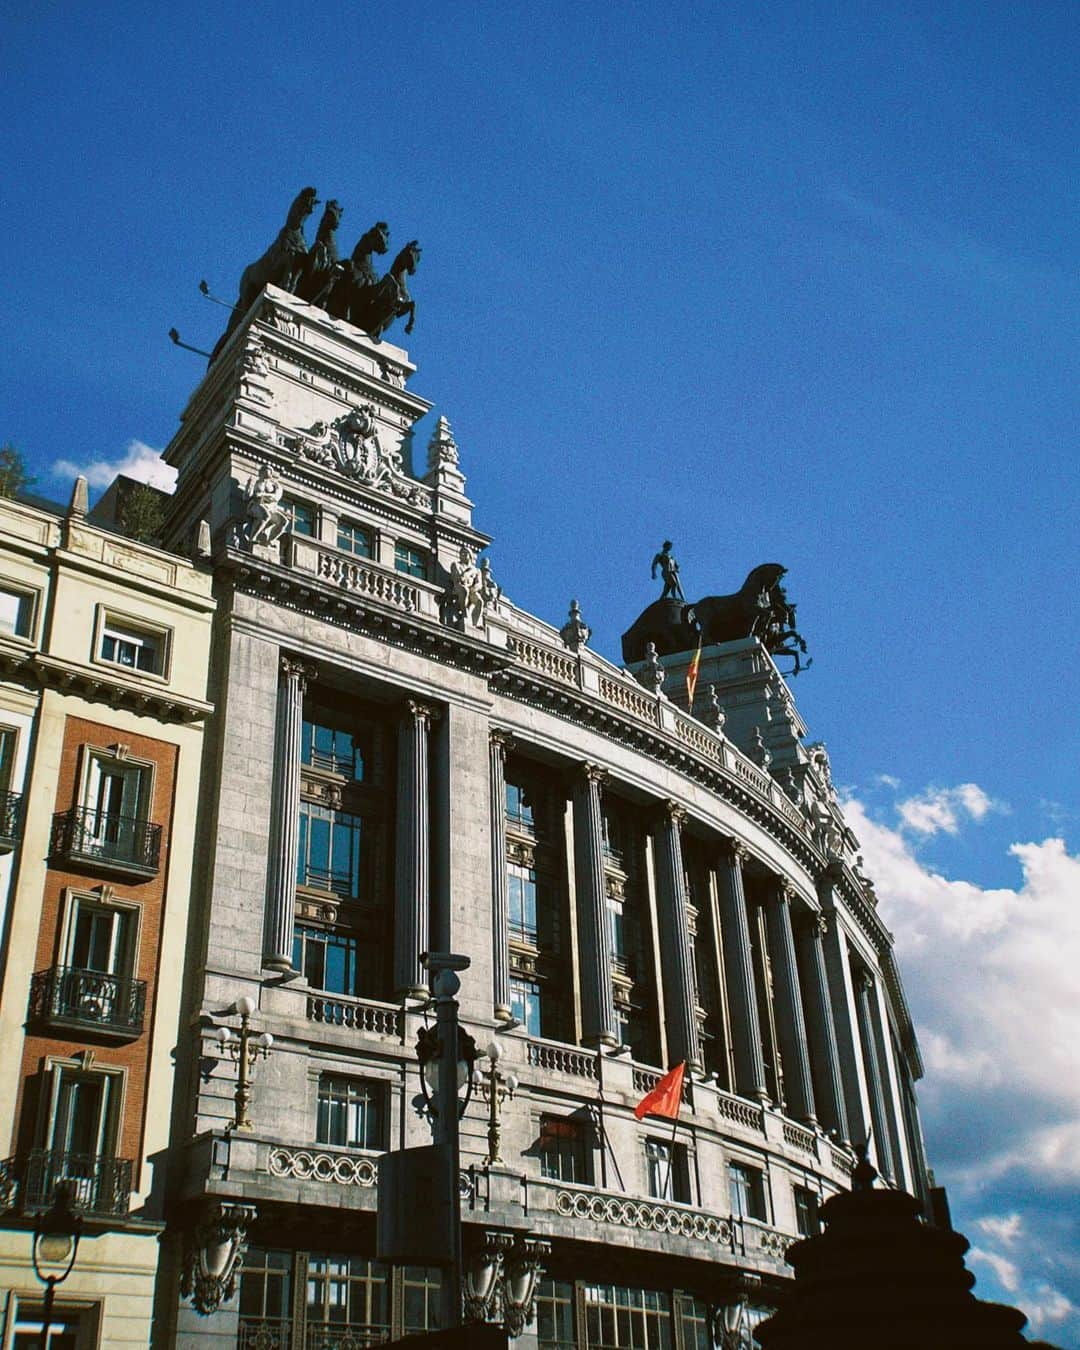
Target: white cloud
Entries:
(138, 461)
(942, 810)
(1007, 1272)
(1005, 1228)
(1049, 1305)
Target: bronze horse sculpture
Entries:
(281, 265)
(321, 267)
(347, 294)
(759, 608)
(389, 299)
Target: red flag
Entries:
(691, 677)
(665, 1098)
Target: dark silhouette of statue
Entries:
(389, 299)
(321, 265)
(281, 265)
(759, 608)
(669, 570)
(349, 293)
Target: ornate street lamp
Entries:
(429, 1051)
(245, 1047)
(56, 1243)
(498, 1088)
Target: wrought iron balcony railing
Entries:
(65, 996)
(99, 1186)
(121, 843)
(11, 818)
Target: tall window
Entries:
(354, 538)
(265, 1298)
(346, 1292)
(519, 808)
(350, 1112)
(807, 1222)
(617, 1318)
(521, 886)
(747, 1188)
(564, 1149)
(113, 821)
(412, 561)
(336, 962)
(301, 516)
(338, 749)
(525, 1005)
(555, 1321)
(331, 855)
(666, 1170)
(7, 758)
(100, 938)
(420, 1285)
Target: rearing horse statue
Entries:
(346, 295)
(281, 265)
(377, 309)
(321, 267)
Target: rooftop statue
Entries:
(281, 265)
(321, 266)
(350, 291)
(389, 299)
(669, 570)
(759, 608)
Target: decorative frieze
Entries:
(653, 1218)
(338, 1169)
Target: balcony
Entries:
(100, 1187)
(11, 814)
(107, 842)
(88, 1000)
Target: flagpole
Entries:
(671, 1154)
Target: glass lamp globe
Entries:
(245, 1005)
(55, 1248)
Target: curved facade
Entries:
(402, 760)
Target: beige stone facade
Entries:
(103, 677)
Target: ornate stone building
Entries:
(403, 760)
(104, 644)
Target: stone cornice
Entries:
(98, 685)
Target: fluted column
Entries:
(594, 929)
(842, 998)
(821, 1030)
(864, 992)
(285, 816)
(412, 887)
(739, 974)
(798, 1085)
(498, 745)
(683, 1041)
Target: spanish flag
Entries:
(691, 678)
(665, 1098)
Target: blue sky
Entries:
(793, 282)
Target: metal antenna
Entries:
(175, 336)
(205, 289)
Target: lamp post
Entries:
(498, 1088)
(56, 1243)
(245, 1047)
(441, 1078)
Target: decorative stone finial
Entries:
(652, 676)
(864, 1173)
(713, 715)
(442, 448)
(575, 632)
(201, 548)
(80, 498)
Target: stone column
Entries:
(683, 1042)
(864, 992)
(739, 974)
(285, 816)
(413, 851)
(842, 997)
(821, 1030)
(498, 745)
(594, 927)
(798, 1084)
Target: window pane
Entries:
(354, 539)
(410, 560)
(16, 608)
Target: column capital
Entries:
(864, 981)
(290, 668)
(674, 814)
(592, 773)
(784, 891)
(818, 925)
(420, 711)
(501, 741)
(735, 851)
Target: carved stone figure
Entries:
(281, 265)
(652, 675)
(321, 266)
(350, 291)
(376, 309)
(669, 570)
(575, 632)
(351, 445)
(266, 520)
(467, 586)
(491, 589)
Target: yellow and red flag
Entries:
(691, 677)
(665, 1098)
